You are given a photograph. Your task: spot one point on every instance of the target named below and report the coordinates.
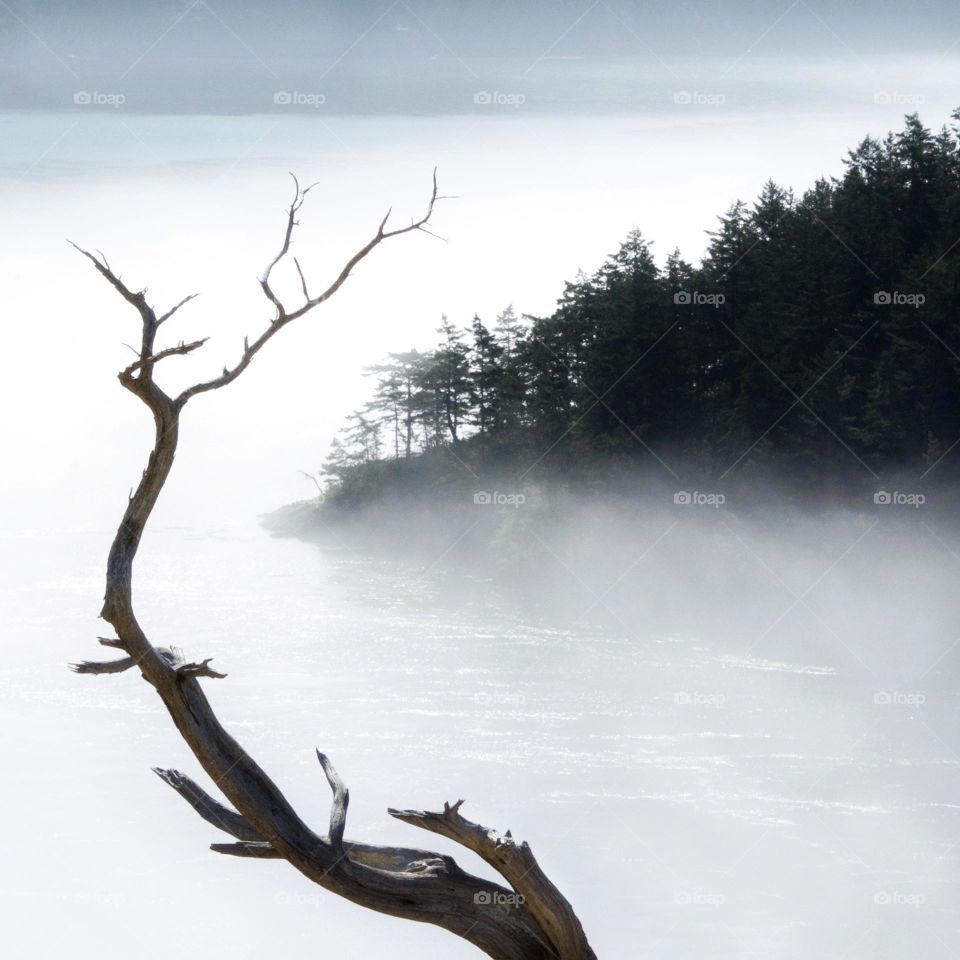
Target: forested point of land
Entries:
(817, 343)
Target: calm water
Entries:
(689, 800)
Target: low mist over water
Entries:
(743, 742)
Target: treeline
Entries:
(473, 384)
(818, 338)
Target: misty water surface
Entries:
(691, 794)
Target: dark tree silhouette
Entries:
(818, 340)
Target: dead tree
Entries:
(529, 920)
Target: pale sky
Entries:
(191, 56)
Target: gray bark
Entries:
(530, 920)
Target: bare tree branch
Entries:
(303, 280)
(214, 812)
(176, 307)
(518, 866)
(298, 197)
(108, 666)
(181, 349)
(403, 882)
(256, 850)
(190, 671)
(395, 859)
(252, 845)
(314, 479)
(137, 299)
(341, 798)
(283, 316)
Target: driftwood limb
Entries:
(176, 307)
(285, 316)
(108, 666)
(529, 920)
(213, 811)
(252, 850)
(517, 865)
(181, 349)
(398, 859)
(341, 798)
(187, 671)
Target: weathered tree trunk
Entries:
(530, 920)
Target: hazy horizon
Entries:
(158, 194)
(432, 58)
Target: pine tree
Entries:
(817, 334)
(398, 397)
(447, 376)
(486, 374)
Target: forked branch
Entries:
(180, 350)
(284, 316)
(529, 920)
